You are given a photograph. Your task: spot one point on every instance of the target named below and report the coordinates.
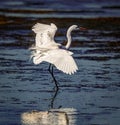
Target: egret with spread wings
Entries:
(46, 49)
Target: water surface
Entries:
(94, 91)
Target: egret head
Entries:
(76, 27)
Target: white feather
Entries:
(45, 35)
(60, 58)
(46, 49)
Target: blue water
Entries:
(94, 91)
(62, 8)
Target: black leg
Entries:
(52, 74)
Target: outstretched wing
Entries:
(44, 34)
(62, 59)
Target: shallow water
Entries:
(94, 91)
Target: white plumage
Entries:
(46, 49)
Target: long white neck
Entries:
(69, 39)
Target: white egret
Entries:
(46, 49)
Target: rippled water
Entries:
(60, 8)
(94, 91)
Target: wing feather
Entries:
(62, 60)
(44, 34)
(39, 27)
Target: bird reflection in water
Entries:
(54, 116)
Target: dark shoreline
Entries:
(45, 11)
(111, 23)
